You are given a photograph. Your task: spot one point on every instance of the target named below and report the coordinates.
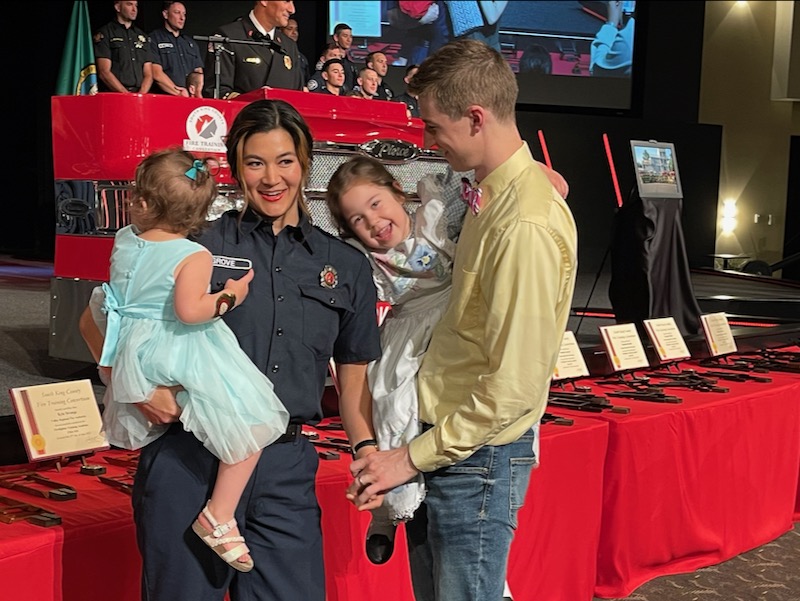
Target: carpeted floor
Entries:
(768, 573)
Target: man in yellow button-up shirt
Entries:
(484, 381)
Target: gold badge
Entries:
(328, 278)
(253, 59)
(287, 61)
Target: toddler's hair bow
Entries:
(197, 165)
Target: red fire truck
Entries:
(99, 140)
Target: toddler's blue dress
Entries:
(228, 403)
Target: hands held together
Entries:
(376, 472)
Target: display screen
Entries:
(567, 54)
(656, 169)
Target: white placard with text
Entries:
(624, 347)
(59, 420)
(667, 339)
(570, 363)
(718, 334)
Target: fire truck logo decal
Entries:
(205, 129)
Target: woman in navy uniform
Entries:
(247, 67)
(312, 299)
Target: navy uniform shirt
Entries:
(251, 67)
(317, 83)
(312, 298)
(411, 102)
(384, 92)
(350, 74)
(128, 50)
(178, 56)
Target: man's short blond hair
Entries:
(467, 72)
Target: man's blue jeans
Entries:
(459, 539)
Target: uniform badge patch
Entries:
(287, 61)
(328, 277)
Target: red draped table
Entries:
(693, 484)
(93, 554)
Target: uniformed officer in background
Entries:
(122, 52)
(293, 31)
(412, 102)
(378, 62)
(333, 74)
(342, 36)
(316, 82)
(175, 55)
(246, 67)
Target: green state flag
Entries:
(78, 73)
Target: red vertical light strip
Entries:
(613, 170)
(544, 149)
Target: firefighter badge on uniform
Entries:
(328, 277)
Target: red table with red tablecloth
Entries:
(93, 554)
(693, 484)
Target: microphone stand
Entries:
(218, 42)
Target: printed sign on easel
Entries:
(570, 364)
(623, 346)
(667, 339)
(58, 420)
(718, 334)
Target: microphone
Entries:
(259, 37)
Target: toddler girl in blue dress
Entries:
(163, 329)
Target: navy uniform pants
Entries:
(278, 515)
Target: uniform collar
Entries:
(302, 232)
(271, 33)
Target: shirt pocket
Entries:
(323, 310)
(168, 51)
(466, 305)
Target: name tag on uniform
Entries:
(232, 263)
(165, 45)
(253, 59)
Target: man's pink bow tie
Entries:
(471, 195)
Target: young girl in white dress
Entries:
(163, 329)
(411, 257)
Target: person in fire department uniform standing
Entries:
(124, 62)
(245, 67)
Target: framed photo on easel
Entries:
(656, 169)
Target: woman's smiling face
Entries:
(272, 176)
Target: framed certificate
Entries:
(58, 420)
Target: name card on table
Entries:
(58, 420)
(570, 363)
(624, 348)
(667, 339)
(718, 334)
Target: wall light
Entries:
(729, 211)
